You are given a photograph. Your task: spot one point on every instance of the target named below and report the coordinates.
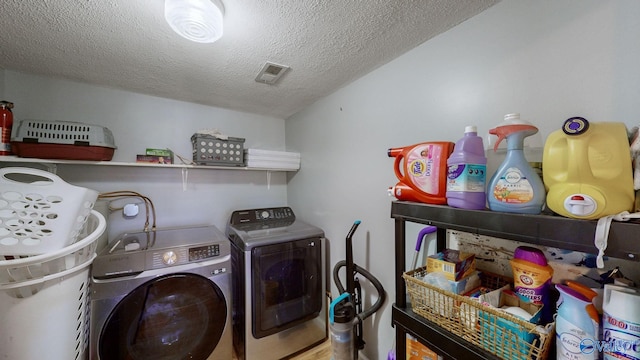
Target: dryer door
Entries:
(176, 316)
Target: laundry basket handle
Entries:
(29, 171)
(45, 278)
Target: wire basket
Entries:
(40, 212)
(24, 275)
(500, 333)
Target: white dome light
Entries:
(196, 20)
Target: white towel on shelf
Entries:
(272, 159)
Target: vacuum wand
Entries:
(351, 271)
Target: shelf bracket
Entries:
(52, 168)
(268, 179)
(185, 177)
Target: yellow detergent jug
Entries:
(587, 169)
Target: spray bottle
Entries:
(425, 172)
(577, 326)
(515, 187)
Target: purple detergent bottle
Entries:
(467, 172)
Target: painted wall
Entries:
(139, 121)
(548, 60)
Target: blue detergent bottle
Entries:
(515, 187)
(577, 325)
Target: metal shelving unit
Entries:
(545, 230)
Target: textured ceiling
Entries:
(126, 44)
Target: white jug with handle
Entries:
(621, 322)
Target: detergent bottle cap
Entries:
(530, 254)
(514, 118)
(578, 303)
(566, 290)
(470, 129)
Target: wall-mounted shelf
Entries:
(545, 230)
(15, 159)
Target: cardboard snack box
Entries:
(455, 264)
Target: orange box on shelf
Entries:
(153, 159)
(417, 351)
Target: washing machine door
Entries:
(176, 316)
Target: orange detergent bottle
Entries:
(423, 173)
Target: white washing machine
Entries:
(162, 295)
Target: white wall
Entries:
(139, 121)
(548, 60)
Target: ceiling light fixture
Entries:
(196, 20)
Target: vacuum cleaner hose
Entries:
(381, 293)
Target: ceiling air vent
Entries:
(271, 72)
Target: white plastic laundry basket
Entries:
(40, 212)
(46, 314)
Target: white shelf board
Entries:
(16, 159)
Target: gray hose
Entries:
(381, 293)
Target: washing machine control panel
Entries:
(183, 255)
(204, 252)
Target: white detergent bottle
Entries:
(577, 326)
(515, 187)
(621, 322)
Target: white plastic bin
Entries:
(46, 316)
(39, 212)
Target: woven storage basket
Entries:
(499, 333)
(40, 212)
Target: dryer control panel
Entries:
(262, 218)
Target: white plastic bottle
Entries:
(621, 322)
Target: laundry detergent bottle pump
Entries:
(577, 326)
(515, 187)
(422, 172)
(467, 172)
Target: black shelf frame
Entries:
(545, 230)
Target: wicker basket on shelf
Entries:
(495, 331)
